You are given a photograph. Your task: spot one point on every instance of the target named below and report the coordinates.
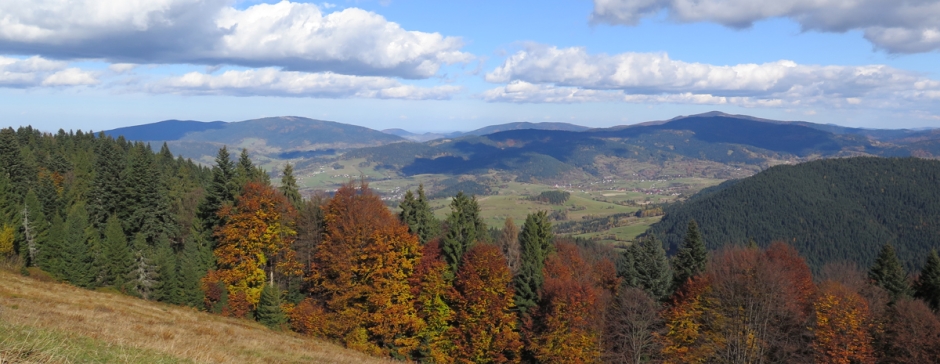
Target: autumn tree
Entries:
(484, 328)
(888, 273)
(910, 335)
(565, 327)
(254, 243)
(362, 271)
(464, 228)
(841, 326)
(508, 243)
(535, 243)
(693, 325)
(691, 258)
(927, 287)
(632, 325)
(430, 286)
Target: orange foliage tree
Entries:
(254, 245)
(430, 286)
(750, 306)
(484, 324)
(842, 326)
(565, 327)
(362, 271)
(911, 334)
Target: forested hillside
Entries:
(106, 214)
(828, 209)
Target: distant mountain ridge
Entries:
(485, 130)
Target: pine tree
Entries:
(77, 256)
(269, 312)
(464, 228)
(928, 284)
(888, 273)
(652, 267)
(117, 258)
(535, 243)
(35, 229)
(691, 258)
(289, 187)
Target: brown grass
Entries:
(55, 322)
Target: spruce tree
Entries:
(142, 280)
(626, 265)
(888, 273)
(191, 271)
(12, 163)
(51, 257)
(417, 214)
(77, 257)
(167, 286)
(221, 191)
(107, 188)
(691, 258)
(535, 244)
(145, 205)
(269, 312)
(652, 268)
(289, 187)
(928, 284)
(116, 253)
(464, 228)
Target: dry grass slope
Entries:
(48, 322)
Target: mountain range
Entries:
(544, 151)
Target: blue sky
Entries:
(461, 65)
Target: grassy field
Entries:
(48, 322)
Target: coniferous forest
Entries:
(103, 213)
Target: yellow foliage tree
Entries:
(842, 326)
(7, 234)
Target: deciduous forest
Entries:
(104, 213)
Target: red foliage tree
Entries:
(911, 334)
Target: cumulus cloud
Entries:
(568, 74)
(293, 36)
(900, 26)
(37, 71)
(273, 82)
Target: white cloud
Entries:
(567, 74)
(273, 82)
(37, 71)
(293, 36)
(122, 67)
(901, 26)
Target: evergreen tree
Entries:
(191, 271)
(464, 228)
(51, 257)
(269, 311)
(12, 163)
(289, 187)
(535, 243)
(417, 214)
(888, 273)
(928, 284)
(107, 188)
(142, 280)
(117, 260)
(145, 206)
(35, 229)
(652, 268)
(167, 289)
(245, 171)
(691, 258)
(626, 265)
(78, 256)
(221, 191)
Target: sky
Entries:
(461, 65)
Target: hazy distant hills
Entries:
(543, 151)
(267, 136)
(842, 208)
(485, 130)
(713, 137)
